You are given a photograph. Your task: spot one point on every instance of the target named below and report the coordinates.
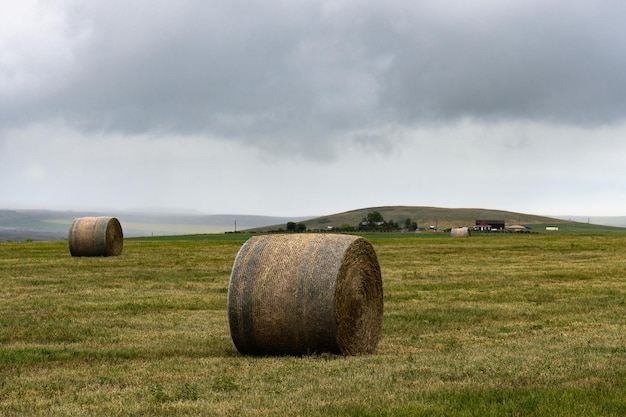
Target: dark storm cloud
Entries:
(286, 72)
(552, 61)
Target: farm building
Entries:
(489, 225)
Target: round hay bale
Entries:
(96, 236)
(305, 293)
(460, 232)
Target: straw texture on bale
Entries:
(460, 232)
(96, 236)
(305, 293)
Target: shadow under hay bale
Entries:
(96, 236)
(306, 293)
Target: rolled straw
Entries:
(96, 236)
(305, 293)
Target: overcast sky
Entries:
(302, 107)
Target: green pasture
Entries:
(492, 325)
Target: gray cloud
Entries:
(302, 72)
(551, 61)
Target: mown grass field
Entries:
(520, 325)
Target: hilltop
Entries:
(424, 217)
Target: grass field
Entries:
(519, 325)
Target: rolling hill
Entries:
(424, 217)
(54, 225)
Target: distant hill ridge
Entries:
(424, 217)
(22, 224)
(16, 224)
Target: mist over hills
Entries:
(615, 221)
(54, 224)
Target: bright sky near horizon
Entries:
(294, 108)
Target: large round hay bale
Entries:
(460, 232)
(96, 236)
(305, 293)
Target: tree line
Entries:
(373, 222)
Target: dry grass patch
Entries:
(493, 325)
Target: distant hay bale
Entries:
(305, 293)
(460, 232)
(96, 236)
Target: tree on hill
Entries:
(410, 225)
(374, 217)
(296, 227)
(376, 221)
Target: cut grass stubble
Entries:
(491, 325)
